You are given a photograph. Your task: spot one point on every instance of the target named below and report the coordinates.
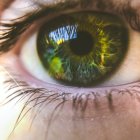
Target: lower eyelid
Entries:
(117, 102)
(104, 100)
(99, 110)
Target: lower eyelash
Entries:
(22, 90)
(80, 101)
(39, 98)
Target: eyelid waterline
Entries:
(70, 90)
(80, 101)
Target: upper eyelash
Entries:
(12, 31)
(132, 16)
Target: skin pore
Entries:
(112, 114)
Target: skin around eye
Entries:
(115, 117)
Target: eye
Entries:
(78, 49)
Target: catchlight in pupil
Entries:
(82, 48)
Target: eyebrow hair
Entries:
(18, 26)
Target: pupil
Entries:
(82, 44)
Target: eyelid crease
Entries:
(12, 31)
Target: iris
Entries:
(82, 48)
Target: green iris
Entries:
(82, 48)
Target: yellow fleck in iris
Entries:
(56, 67)
(82, 48)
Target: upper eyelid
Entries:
(18, 26)
(13, 29)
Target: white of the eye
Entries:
(128, 72)
(31, 61)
